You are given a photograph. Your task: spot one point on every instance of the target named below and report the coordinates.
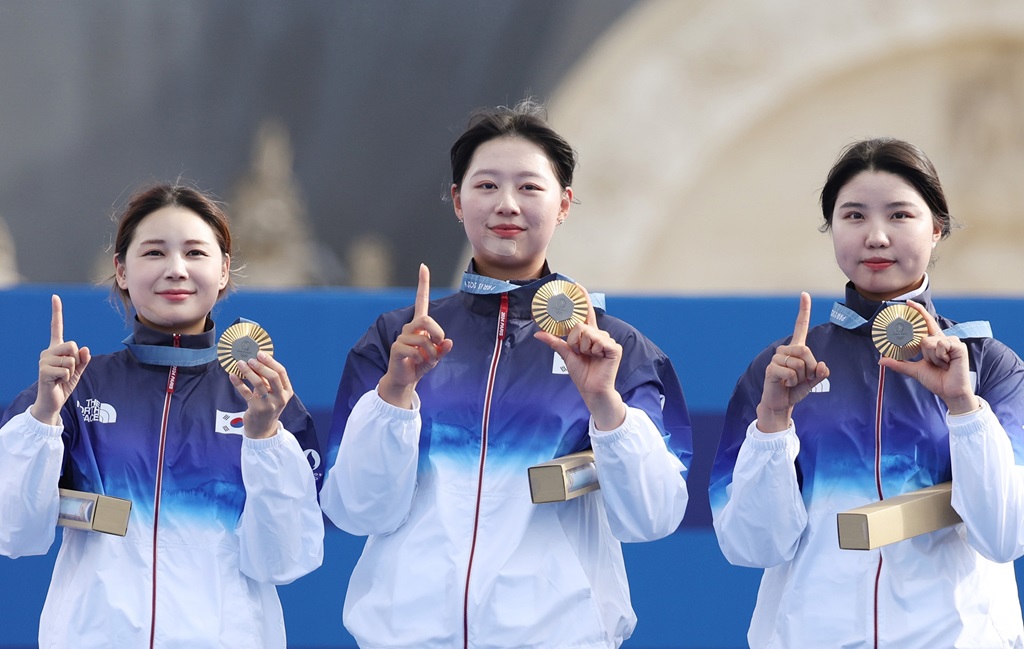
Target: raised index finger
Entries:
(803, 320)
(422, 293)
(56, 321)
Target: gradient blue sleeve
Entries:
(758, 512)
(373, 451)
(643, 464)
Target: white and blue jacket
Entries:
(217, 518)
(863, 435)
(457, 554)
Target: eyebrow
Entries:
(497, 172)
(162, 242)
(903, 204)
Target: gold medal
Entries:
(559, 306)
(240, 342)
(898, 331)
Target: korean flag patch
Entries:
(229, 423)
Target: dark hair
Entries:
(527, 120)
(892, 156)
(146, 201)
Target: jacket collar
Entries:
(157, 348)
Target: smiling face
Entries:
(510, 202)
(883, 233)
(173, 270)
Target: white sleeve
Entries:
(988, 487)
(281, 529)
(31, 455)
(641, 480)
(764, 516)
(370, 488)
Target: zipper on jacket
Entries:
(878, 578)
(498, 340)
(172, 379)
(878, 480)
(878, 432)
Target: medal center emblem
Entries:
(244, 349)
(560, 307)
(900, 332)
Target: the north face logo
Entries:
(94, 410)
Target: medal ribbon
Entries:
(481, 285)
(847, 318)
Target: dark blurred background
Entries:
(362, 99)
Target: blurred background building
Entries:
(704, 128)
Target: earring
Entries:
(462, 222)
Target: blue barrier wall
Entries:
(684, 592)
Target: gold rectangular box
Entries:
(898, 518)
(88, 511)
(563, 478)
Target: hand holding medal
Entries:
(246, 353)
(943, 368)
(591, 355)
